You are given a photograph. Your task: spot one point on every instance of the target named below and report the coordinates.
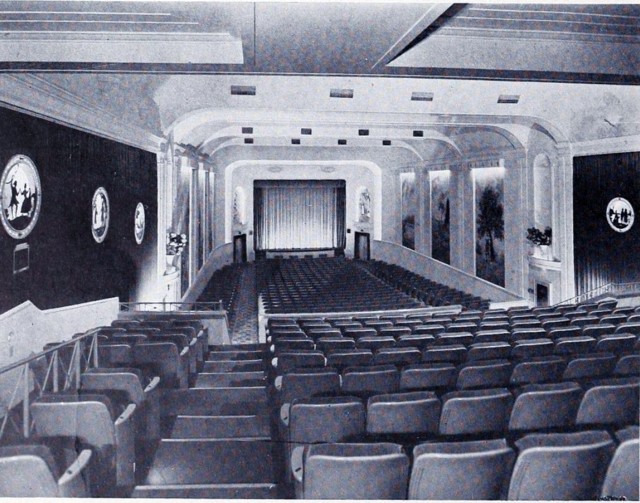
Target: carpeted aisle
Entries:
(245, 324)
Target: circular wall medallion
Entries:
(139, 223)
(100, 214)
(620, 214)
(20, 196)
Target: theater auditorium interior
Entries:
(319, 250)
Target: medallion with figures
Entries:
(20, 196)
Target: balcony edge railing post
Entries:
(78, 363)
(25, 403)
(56, 378)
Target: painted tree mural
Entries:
(490, 224)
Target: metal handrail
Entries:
(172, 306)
(73, 373)
(606, 288)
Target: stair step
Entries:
(208, 491)
(226, 379)
(233, 366)
(237, 347)
(214, 401)
(179, 462)
(235, 356)
(221, 427)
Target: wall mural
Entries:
(100, 215)
(440, 214)
(139, 223)
(20, 196)
(409, 209)
(489, 207)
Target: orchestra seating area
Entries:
(223, 286)
(326, 285)
(423, 289)
(473, 405)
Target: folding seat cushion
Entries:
(475, 411)
(344, 325)
(617, 319)
(610, 303)
(328, 344)
(628, 328)
(484, 374)
(428, 376)
(583, 321)
(429, 329)
(496, 335)
(416, 412)
(419, 341)
(488, 351)
(610, 402)
(277, 332)
(495, 325)
(115, 355)
(375, 342)
(465, 327)
(476, 470)
(91, 421)
(621, 479)
(397, 356)
(574, 345)
(616, 343)
(163, 359)
(351, 472)
(285, 344)
(394, 332)
(317, 333)
(30, 470)
(364, 381)
(452, 353)
(523, 334)
(554, 323)
(560, 332)
(321, 419)
(590, 366)
(628, 365)
(600, 312)
(575, 314)
(528, 348)
(524, 323)
(307, 382)
(357, 333)
(545, 406)
(596, 331)
(289, 360)
(464, 338)
(538, 370)
(342, 358)
(560, 466)
(378, 324)
(626, 310)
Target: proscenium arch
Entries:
(371, 166)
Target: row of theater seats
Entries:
(436, 379)
(89, 436)
(419, 287)
(328, 285)
(572, 466)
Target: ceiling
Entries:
(546, 42)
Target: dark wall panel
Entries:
(66, 265)
(601, 254)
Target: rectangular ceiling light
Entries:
(243, 90)
(342, 142)
(420, 96)
(363, 132)
(418, 134)
(386, 143)
(247, 130)
(295, 141)
(509, 98)
(248, 141)
(341, 93)
(305, 130)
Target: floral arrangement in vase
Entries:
(176, 243)
(538, 237)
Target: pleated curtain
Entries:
(305, 216)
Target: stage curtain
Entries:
(299, 215)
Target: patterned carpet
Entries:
(245, 325)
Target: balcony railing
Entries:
(171, 306)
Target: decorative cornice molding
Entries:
(36, 96)
(614, 145)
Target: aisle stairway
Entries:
(217, 435)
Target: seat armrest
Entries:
(274, 362)
(278, 382)
(126, 415)
(72, 483)
(155, 382)
(284, 413)
(297, 463)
